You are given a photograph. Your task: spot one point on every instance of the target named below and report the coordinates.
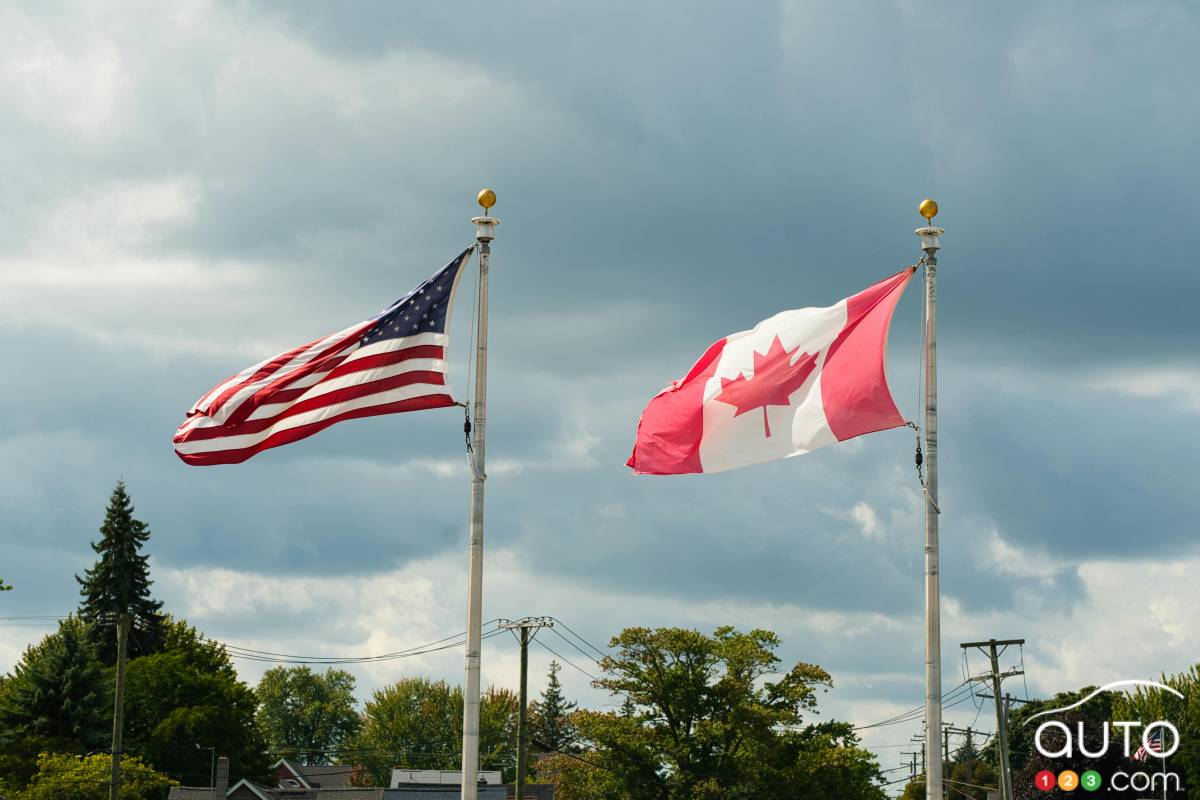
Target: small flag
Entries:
(1150, 747)
(393, 362)
(798, 381)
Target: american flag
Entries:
(1150, 747)
(393, 362)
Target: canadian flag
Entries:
(798, 381)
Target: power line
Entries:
(564, 659)
(271, 657)
(581, 651)
(571, 631)
(956, 694)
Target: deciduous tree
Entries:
(416, 723)
(61, 776)
(185, 699)
(708, 723)
(307, 716)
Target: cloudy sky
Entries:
(186, 189)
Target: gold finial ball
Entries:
(486, 198)
(928, 209)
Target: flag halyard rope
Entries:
(919, 456)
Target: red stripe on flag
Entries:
(342, 395)
(266, 370)
(854, 391)
(318, 363)
(304, 431)
(376, 361)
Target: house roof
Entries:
(329, 776)
(259, 792)
(292, 768)
(324, 776)
(412, 791)
(191, 793)
(340, 793)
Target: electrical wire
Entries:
(582, 652)
(565, 660)
(919, 711)
(571, 631)
(269, 656)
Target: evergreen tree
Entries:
(120, 583)
(4, 587)
(57, 699)
(551, 718)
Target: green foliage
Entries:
(120, 582)
(968, 766)
(914, 789)
(1020, 736)
(580, 778)
(58, 698)
(4, 587)
(550, 722)
(416, 723)
(707, 723)
(185, 699)
(1149, 704)
(66, 777)
(307, 716)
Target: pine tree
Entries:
(120, 583)
(551, 719)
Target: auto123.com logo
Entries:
(1145, 747)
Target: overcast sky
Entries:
(188, 188)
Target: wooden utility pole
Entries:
(523, 628)
(945, 746)
(992, 648)
(114, 789)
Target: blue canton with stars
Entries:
(423, 310)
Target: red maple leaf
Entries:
(775, 378)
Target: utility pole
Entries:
(485, 227)
(945, 745)
(114, 788)
(1008, 701)
(930, 244)
(523, 628)
(949, 729)
(970, 749)
(993, 648)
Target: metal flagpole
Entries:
(470, 748)
(933, 617)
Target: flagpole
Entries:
(933, 614)
(484, 227)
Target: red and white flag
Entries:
(798, 381)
